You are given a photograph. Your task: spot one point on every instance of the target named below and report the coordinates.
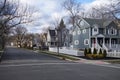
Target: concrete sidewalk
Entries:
(92, 61)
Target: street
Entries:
(21, 64)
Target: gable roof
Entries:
(102, 23)
(52, 32)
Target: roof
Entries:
(52, 32)
(98, 35)
(105, 36)
(102, 23)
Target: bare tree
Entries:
(73, 8)
(43, 39)
(106, 11)
(20, 33)
(12, 14)
(28, 41)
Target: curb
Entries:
(63, 57)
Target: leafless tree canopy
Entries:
(13, 14)
(106, 11)
(73, 8)
(20, 33)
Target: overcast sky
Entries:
(51, 9)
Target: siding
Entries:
(80, 37)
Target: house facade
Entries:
(96, 33)
(58, 37)
(51, 38)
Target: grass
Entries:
(60, 55)
(116, 61)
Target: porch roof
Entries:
(105, 36)
(112, 36)
(98, 35)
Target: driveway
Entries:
(20, 64)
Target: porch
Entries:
(108, 43)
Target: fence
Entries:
(68, 51)
(113, 54)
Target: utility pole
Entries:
(57, 39)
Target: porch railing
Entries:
(113, 46)
(107, 46)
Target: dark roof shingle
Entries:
(102, 23)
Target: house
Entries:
(60, 36)
(51, 38)
(96, 33)
(63, 36)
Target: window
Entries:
(101, 31)
(84, 31)
(95, 29)
(79, 32)
(82, 23)
(112, 31)
(76, 42)
(74, 33)
(86, 42)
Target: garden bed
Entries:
(101, 54)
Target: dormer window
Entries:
(112, 31)
(95, 29)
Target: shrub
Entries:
(94, 56)
(95, 51)
(89, 56)
(100, 51)
(89, 51)
(85, 51)
(105, 53)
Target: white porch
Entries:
(100, 41)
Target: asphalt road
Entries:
(46, 67)
(19, 56)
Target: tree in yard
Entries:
(60, 32)
(43, 39)
(20, 33)
(28, 40)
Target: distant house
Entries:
(96, 33)
(51, 38)
(58, 37)
(63, 36)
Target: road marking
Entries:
(99, 63)
(33, 64)
(110, 66)
(55, 63)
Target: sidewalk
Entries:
(92, 61)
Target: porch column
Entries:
(110, 42)
(96, 42)
(103, 41)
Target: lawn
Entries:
(60, 55)
(116, 61)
